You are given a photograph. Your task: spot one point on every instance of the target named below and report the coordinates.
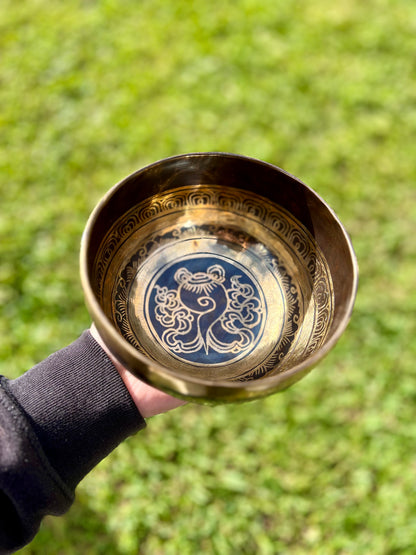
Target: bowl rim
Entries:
(198, 387)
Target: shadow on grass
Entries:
(81, 530)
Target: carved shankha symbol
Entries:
(208, 314)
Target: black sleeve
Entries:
(57, 421)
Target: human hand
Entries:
(149, 400)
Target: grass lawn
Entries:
(91, 91)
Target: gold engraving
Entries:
(268, 250)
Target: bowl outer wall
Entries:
(240, 172)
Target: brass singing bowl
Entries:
(217, 277)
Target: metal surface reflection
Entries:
(216, 276)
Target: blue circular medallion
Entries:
(205, 309)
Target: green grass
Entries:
(89, 92)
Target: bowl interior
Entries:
(215, 281)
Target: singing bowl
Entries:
(216, 277)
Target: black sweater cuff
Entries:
(78, 407)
